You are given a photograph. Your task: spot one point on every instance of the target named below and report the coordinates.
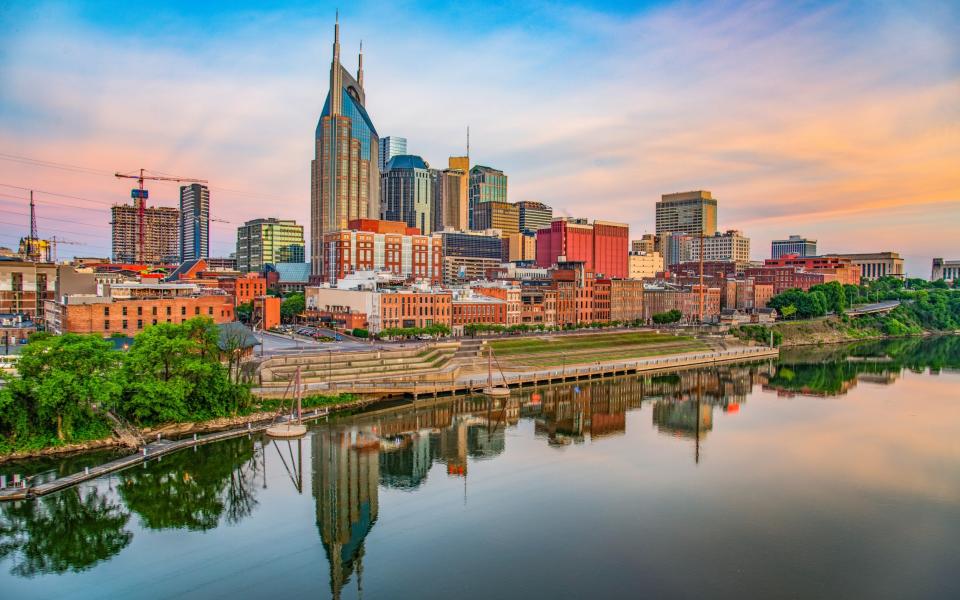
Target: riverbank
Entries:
(833, 330)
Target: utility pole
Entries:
(701, 273)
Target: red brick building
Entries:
(657, 299)
(602, 247)
(130, 317)
(382, 246)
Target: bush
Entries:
(671, 316)
(360, 333)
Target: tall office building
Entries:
(194, 222)
(450, 190)
(263, 242)
(731, 246)
(390, 146)
(795, 244)
(497, 215)
(160, 234)
(344, 176)
(534, 216)
(486, 185)
(647, 243)
(687, 212)
(406, 187)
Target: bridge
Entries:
(875, 308)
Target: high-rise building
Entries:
(602, 246)
(729, 246)
(647, 243)
(390, 146)
(644, 265)
(687, 212)
(534, 216)
(795, 244)
(263, 242)
(406, 188)
(344, 176)
(194, 222)
(451, 188)
(497, 215)
(486, 185)
(160, 234)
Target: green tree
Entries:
(244, 312)
(671, 316)
(62, 381)
(835, 295)
(292, 305)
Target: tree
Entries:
(292, 305)
(244, 312)
(671, 316)
(62, 381)
(835, 295)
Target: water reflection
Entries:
(352, 460)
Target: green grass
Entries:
(312, 401)
(572, 343)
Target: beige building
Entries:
(730, 246)
(647, 243)
(687, 212)
(522, 247)
(451, 188)
(948, 270)
(25, 286)
(644, 265)
(161, 233)
(876, 264)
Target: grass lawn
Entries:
(610, 354)
(574, 343)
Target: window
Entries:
(183, 311)
(169, 309)
(124, 323)
(154, 312)
(196, 310)
(154, 322)
(106, 323)
(139, 323)
(210, 310)
(106, 311)
(123, 311)
(139, 311)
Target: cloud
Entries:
(833, 122)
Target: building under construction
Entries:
(161, 241)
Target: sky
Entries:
(836, 121)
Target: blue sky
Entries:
(833, 120)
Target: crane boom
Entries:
(140, 200)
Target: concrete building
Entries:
(687, 212)
(263, 242)
(129, 308)
(344, 175)
(371, 245)
(194, 222)
(486, 185)
(406, 190)
(874, 265)
(795, 244)
(522, 247)
(647, 243)
(672, 246)
(948, 270)
(161, 238)
(644, 265)
(450, 198)
(602, 246)
(494, 214)
(460, 270)
(390, 146)
(25, 286)
(728, 246)
(534, 216)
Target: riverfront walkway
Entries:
(417, 386)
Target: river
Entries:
(833, 472)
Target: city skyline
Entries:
(834, 123)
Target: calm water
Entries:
(831, 473)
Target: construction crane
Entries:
(140, 195)
(54, 240)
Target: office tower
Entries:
(194, 222)
(160, 234)
(263, 242)
(602, 246)
(687, 212)
(671, 246)
(729, 246)
(390, 146)
(450, 188)
(795, 244)
(344, 176)
(406, 188)
(486, 185)
(534, 216)
(459, 162)
(497, 215)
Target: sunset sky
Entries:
(839, 122)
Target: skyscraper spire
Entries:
(336, 78)
(360, 67)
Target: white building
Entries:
(644, 265)
(945, 269)
(731, 245)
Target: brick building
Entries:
(664, 298)
(602, 246)
(371, 245)
(25, 287)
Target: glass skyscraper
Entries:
(407, 189)
(391, 146)
(344, 176)
(194, 222)
(486, 185)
